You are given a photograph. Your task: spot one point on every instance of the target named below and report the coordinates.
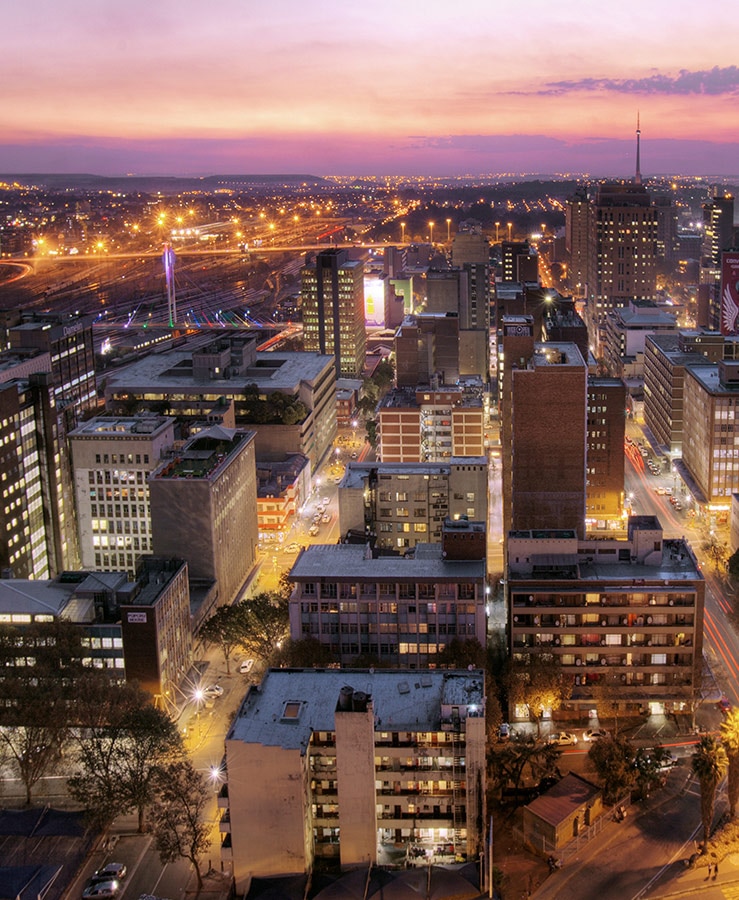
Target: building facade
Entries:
(402, 610)
(403, 504)
(361, 760)
(203, 504)
(623, 619)
(112, 458)
(332, 291)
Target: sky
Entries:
(381, 87)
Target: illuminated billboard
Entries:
(374, 300)
(730, 293)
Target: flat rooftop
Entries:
(290, 704)
(350, 562)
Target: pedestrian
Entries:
(710, 869)
(715, 870)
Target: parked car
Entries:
(325, 518)
(504, 731)
(112, 871)
(563, 738)
(246, 666)
(594, 734)
(101, 890)
(210, 692)
(326, 501)
(724, 704)
(313, 530)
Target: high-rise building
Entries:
(68, 341)
(544, 385)
(332, 290)
(604, 495)
(718, 236)
(203, 508)
(578, 215)
(520, 262)
(112, 458)
(623, 238)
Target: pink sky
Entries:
(401, 87)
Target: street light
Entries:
(510, 226)
(497, 232)
(402, 232)
(431, 232)
(448, 230)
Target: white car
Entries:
(563, 738)
(246, 666)
(594, 734)
(325, 501)
(212, 691)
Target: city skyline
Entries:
(399, 89)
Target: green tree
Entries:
(123, 741)
(266, 623)
(540, 684)
(730, 740)
(715, 549)
(178, 815)
(614, 762)
(709, 763)
(458, 654)
(648, 767)
(225, 630)
(305, 653)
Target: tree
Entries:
(730, 739)
(123, 741)
(607, 694)
(266, 623)
(715, 549)
(225, 629)
(648, 767)
(34, 726)
(709, 762)
(305, 653)
(458, 654)
(178, 815)
(613, 760)
(540, 684)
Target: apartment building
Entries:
(622, 616)
(362, 761)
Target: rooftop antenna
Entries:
(637, 177)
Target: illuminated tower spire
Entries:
(637, 177)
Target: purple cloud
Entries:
(713, 81)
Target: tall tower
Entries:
(332, 289)
(637, 177)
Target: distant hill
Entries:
(165, 184)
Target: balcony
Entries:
(223, 797)
(227, 852)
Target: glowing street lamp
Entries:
(510, 226)
(431, 232)
(448, 230)
(402, 232)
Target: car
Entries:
(354, 454)
(667, 761)
(293, 548)
(661, 491)
(504, 731)
(246, 666)
(563, 738)
(112, 871)
(313, 530)
(325, 518)
(210, 692)
(678, 506)
(326, 501)
(594, 734)
(101, 889)
(724, 704)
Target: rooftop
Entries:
(203, 454)
(114, 426)
(290, 704)
(353, 562)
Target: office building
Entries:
(112, 458)
(623, 241)
(399, 505)
(332, 292)
(710, 449)
(606, 430)
(282, 488)
(288, 399)
(69, 342)
(625, 332)
(544, 387)
(623, 618)
(403, 611)
(203, 504)
(362, 762)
